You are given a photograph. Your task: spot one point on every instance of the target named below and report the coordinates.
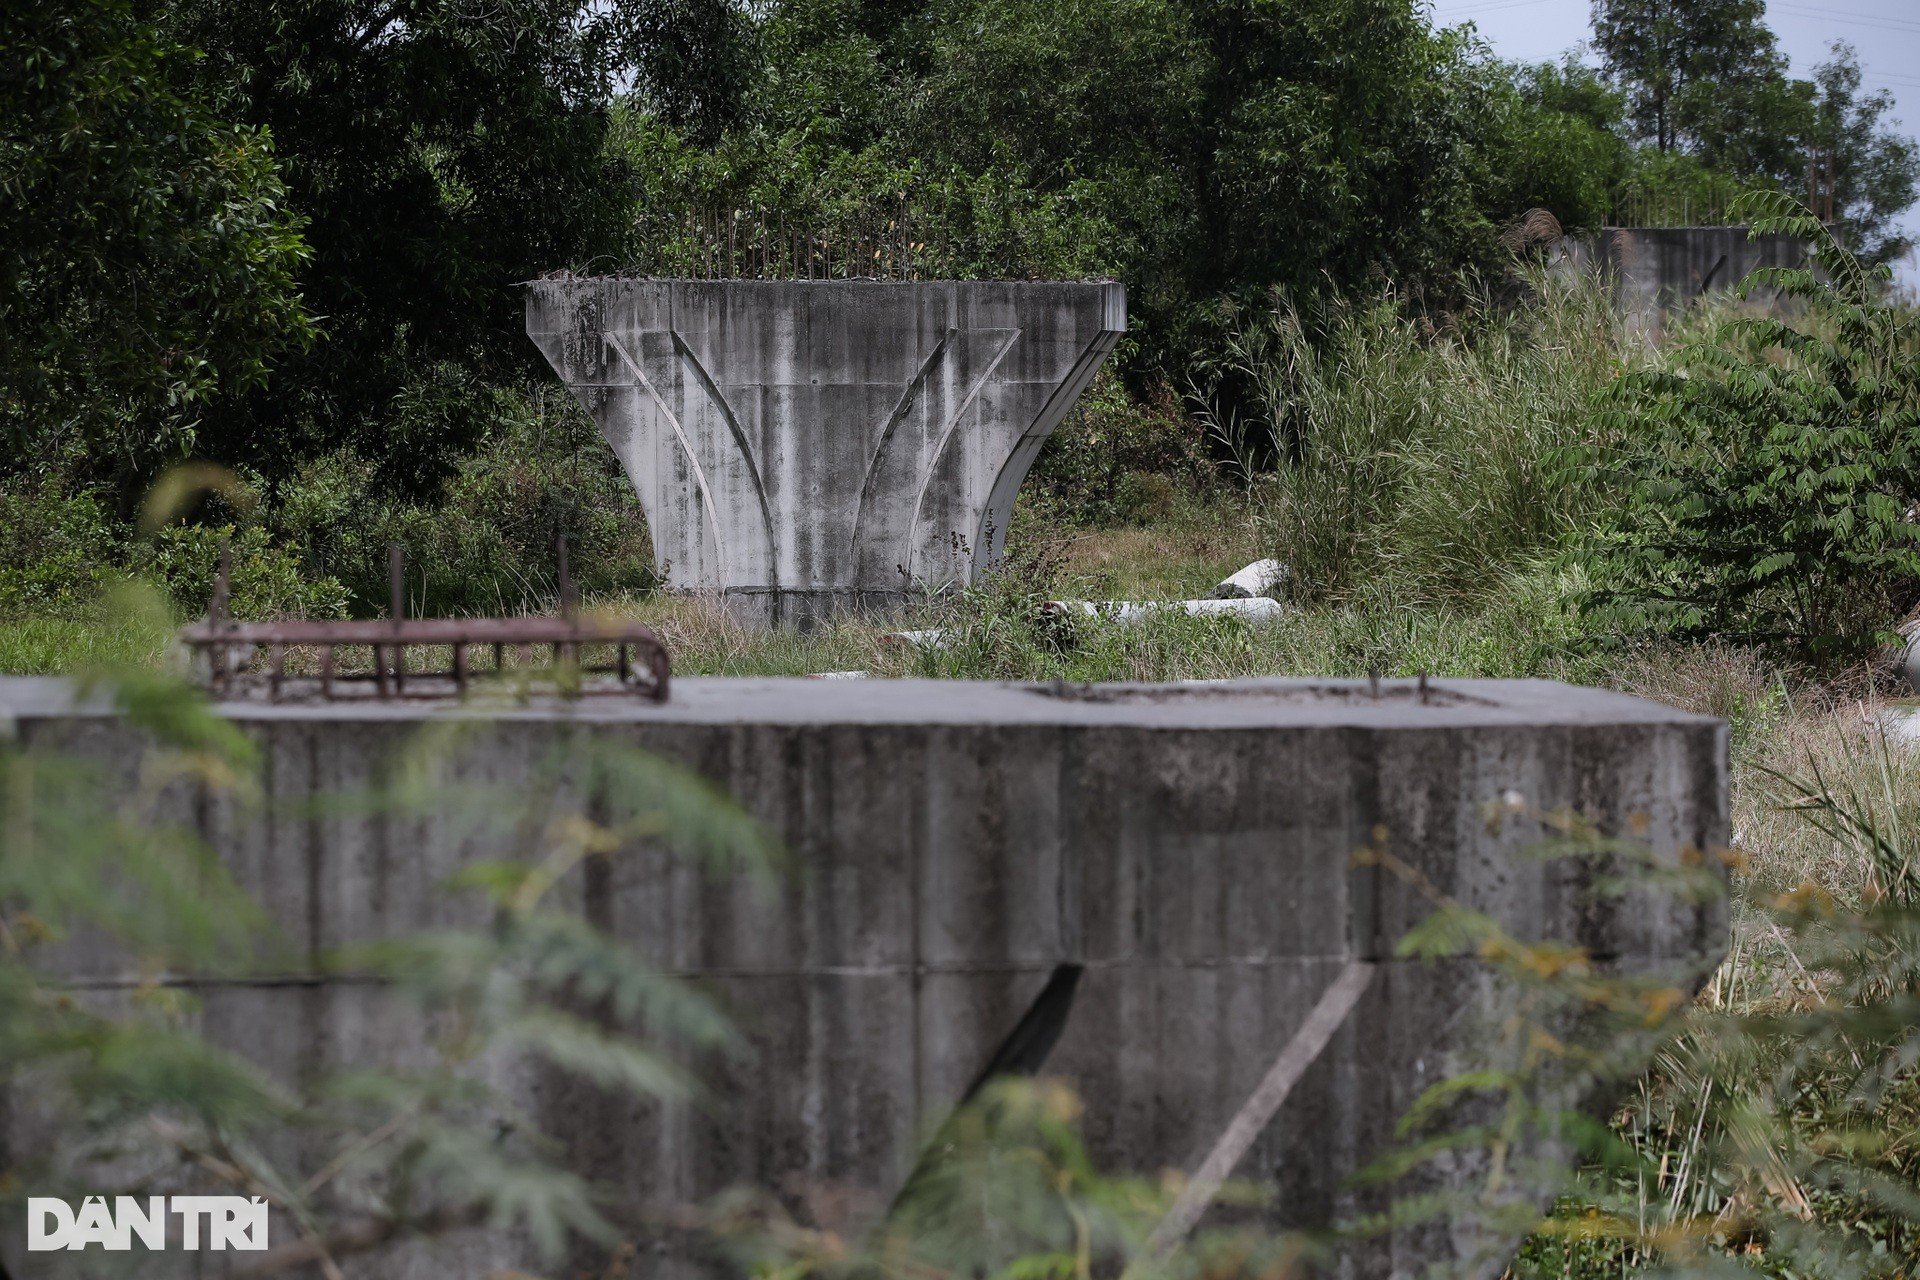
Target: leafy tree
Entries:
(1875, 172)
(693, 61)
(1313, 160)
(1561, 144)
(148, 256)
(1690, 68)
(1771, 470)
(1228, 147)
(441, 152)
(1706, 78)
(1573, 88)
(823, 169)
(1195, 149)
(1097, 96)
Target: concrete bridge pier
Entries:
(817, 447)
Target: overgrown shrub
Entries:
(1771, 1138)
(316, 545)
(1424, 461)
(60, 549)
(1768, 474)
(998, 625)
(265, 578)
(486, 541)
(996, 630)
(1118, 460)
(56, 547)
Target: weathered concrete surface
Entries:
(1657, 271)
(809, 447)
(1190, 845)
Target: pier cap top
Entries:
(1231, 704)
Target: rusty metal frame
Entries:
(642, 664)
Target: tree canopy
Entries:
(151, 264)
(1707, 79)
(342, 193)
(439, 153)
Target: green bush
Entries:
(316, 546)
(61, 549)
(485, 543)
(56, 548)
(265, 579)
(1770, 472)
(1119, 460)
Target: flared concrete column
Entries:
(812, 447)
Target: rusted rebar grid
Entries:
(641, 663)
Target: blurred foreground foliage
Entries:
(112, 1079)
(1773, 1135)
(1770, 1138)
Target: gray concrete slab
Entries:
(812, 447)
(1191, 846)
(1656, 272)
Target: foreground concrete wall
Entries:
(815, 446)
(1191, 846)
(1657, 271)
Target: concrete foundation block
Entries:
(1191, 846)
(1657, 272)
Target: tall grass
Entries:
(1425, 461)
(42, 644)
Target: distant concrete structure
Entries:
(810, 447)
(1658, 271)
(1192, 847)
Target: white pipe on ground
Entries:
(1257, 579)
(1125, 613)
(1129, 613)
(935, 638)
